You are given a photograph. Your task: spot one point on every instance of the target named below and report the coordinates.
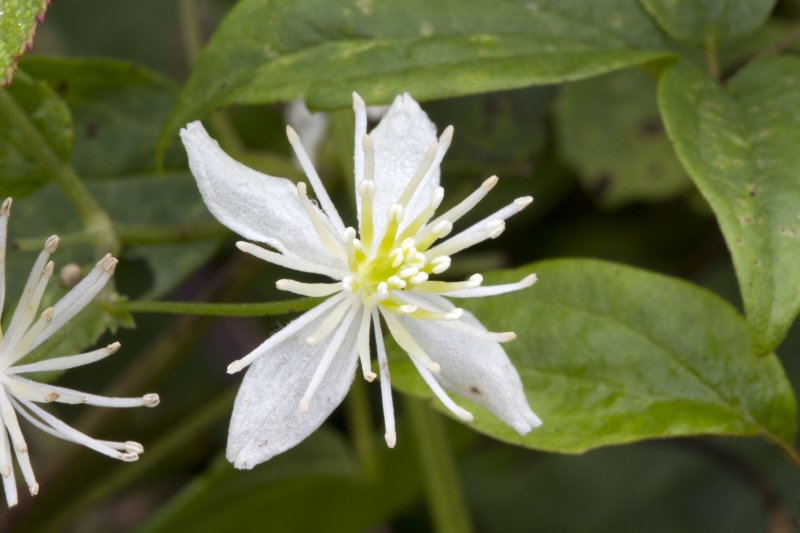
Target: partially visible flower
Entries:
(20, 395)
(385, 269)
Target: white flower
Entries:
(302, 373)
(24, 334)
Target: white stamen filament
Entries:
(362, 345)
(294, 263)
(437, 389)
(367, 227)
(323, 232)
(442, 145)
(330, 322)
(67, 432)
(313, 178)
(468, 203)
(18, 441)
(360, 111)
(422, 170)
(289, 330)
(308, 289)
(502, 214)
(24, 344)
(440, 287)
(433, 204)
(44, 392)
(63, 363)
(460, 242)
(77, 298)
(463, 327)
(493, 290)
(327, 357)
(407, 343)
(349, 240)
(5, 212)
(386, 386)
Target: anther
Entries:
(22, 447)
(495, 228)
(440, 264)
(47, 314)
(475, 280)
(235, 366)
(51, 397)
(407, 309)
(151, 400)
(396, 283)
(129, 457)
(113, 347)
(407, 272)
(133, 447)
(34, 489)
(51, 244)
(418, 278)
(5, 209)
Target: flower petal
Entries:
(266, 419)
(401, 140)
(474, 368)
(257, 206)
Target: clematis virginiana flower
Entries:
(19, 394)
(386, 268)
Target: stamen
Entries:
(463, 327)
(493, 290)
(433, 204)
(362, 346)
(348, 239)
(416, 179)
(44, 392)
(5, 212)
(380, 295)
(313, 178)
(502, 214)
(430, 234)
(67, 432)
(286, 332)
(468, 203)
(440, 264)
(461, 242)
(308, 289)
(63, 363)
(407, 343)
(440, 287)
(394, 217)
(367, 191)
(437, 389)
(330, 322)
(78, 298)
(360, 111)
(386, 386)
(323, 232)
(431, 162)
(291, 262)
(20, 447)
(27, 307)
(24, 344)
(327, 357)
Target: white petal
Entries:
(266, 420)
(257, 206)
(474, 368)
(401, 140)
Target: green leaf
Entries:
(740, 147)
(609, 129)
(275, 51)
(117, 108)
(21, 167)
(695, 21)
(610, 354)
(17, 27)
(319, 474)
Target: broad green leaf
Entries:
(275, 51)
(695, 21)
(740, 147)
(314, 487)
(21, 169)
(610, 131)
(610, 354)
(17, 27)
(117, 108)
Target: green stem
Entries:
(215, 309)
(786, 43)
(442, 488)
(134, 234)
(94, 218)
(178, 438)
(361, 431)
(190, 30)
(712, 59)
